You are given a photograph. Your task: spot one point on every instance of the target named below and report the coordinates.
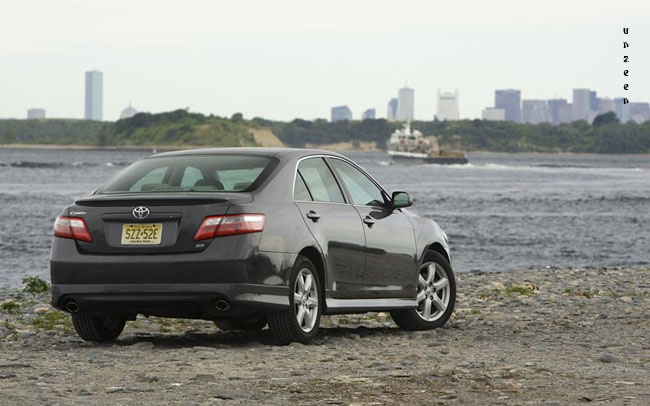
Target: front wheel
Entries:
(436, 296)
(98, 329)
(300, 323)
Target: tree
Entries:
(606, 118)
(237, 118)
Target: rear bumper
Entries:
(177, 300)
(174, 285)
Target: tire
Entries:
(254, 322)
(98, 329)
(440, 295)
(285, 325)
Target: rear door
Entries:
(390, 243)
(335, 225)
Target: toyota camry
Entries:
(248, 237)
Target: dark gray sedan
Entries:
(248, 237)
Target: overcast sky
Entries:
(287, 59)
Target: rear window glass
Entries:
(189, 173)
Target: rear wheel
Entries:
(300, 323)
(98, 329)
(436, 296)
(253, 322)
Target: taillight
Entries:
(218, 226)
(72, 227)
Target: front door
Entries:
(390, 268)
(335, 225)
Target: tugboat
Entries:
(405, 145)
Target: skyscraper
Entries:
(391, 113)
(605, 105)
(447, 106)
(405, 104)
(639, 112)
(510, 101)
(535, 111)
(94, 95)
(581, 104)
(340, 113)
(368, 114)
(555, 108)
(622, 110)
(593, 101)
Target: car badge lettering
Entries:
(141, 212)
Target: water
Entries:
(501, 212)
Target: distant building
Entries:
(565, 113)
(639, 112)
(605, 105)
(494, 114)
(593, 100)
(35, 114)
(128, 112)
(535, 111)
(405, 104)
(391, 113)
(555, 106)
(622, 110)
(581, 104)
(447, 106)
(340, 113)
(510, 101)
(94, 95)
(368, 114)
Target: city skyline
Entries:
(296, 59)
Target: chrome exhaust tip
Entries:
(222, 305)
(72, 307)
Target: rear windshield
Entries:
(189, 173)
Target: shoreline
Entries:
(338, 147)
(555, 336)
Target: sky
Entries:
(287, 59)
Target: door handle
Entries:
(369, 221)
(313, 216)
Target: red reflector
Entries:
(72, 227)
(218, 226)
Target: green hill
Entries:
(182, 128)
(172, 128)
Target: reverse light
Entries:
(218, 226)
(72, 227)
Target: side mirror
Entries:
(401, 199)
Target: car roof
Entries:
(281, 153)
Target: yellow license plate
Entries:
(141, 234)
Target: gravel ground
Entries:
(550, 336)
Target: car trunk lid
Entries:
(149, 223)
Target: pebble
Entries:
(529, 348)
(142, 346)
(608, 359)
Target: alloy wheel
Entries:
(305, 300)
(434, 291)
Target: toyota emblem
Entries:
(141, 212)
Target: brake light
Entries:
(72, 227)
(218, 226)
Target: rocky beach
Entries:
(528, 337)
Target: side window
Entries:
(191, 176)
(362, 190)
(300, 191)
(150, 181)
(320, 181)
